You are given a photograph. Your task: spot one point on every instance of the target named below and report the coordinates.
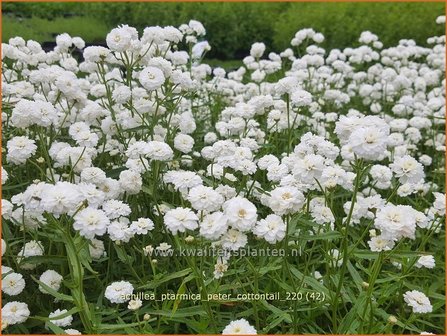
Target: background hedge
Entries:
(231, 27)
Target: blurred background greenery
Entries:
(231, 27)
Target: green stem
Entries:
(345, 247)
(77, 275)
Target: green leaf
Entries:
(55, 329)
(84, 254)
(52, 292)
(146, 190)
(54, 259)
(310, 281)
(321, 236)
(276, 311)
(180, 291)
(165, 278)
(122, 255)
(115, 172)
(119, 326)
(355, 275)
(182, 312)
(394, 254)
(348, 325)
(72, 311)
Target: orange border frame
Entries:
(327, 1)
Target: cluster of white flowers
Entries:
(141, 139)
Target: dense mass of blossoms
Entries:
(113, 162)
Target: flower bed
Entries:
(145, 192)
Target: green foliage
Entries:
(341, 23)
(45, 10)
(42, 30)
(233, 27)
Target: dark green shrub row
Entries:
(233, 27)
(342, 22)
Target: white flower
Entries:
(7, 210)
(258, 76)
(61, 198)
(213, 225)
(4, 176)
(96, 248)
(179, 58)
(257, 49)
(30, 249)
(427, 261)
(239, 327)
(142, 226)
(286, 200)
(220, 268)
(72, 332)
(61, 322)
(382, 176)
(180, 219)
(233, 240)
(20, 149)
(286, 85)
(15, 312)
(13, 284)
(120, 231)
(52, 279)
(78, 42)
(134, 304)
(199, 49)
(130, 181)
(322, 214)
(163, 249)
(406, 189)
(182, 180)
(337, 258)
(119, 291)
(197, 27)
(159, 151)
(115, 209)
(439, 203)
(379, 244)
(91, 222)
(121, 94)
(407, 169)
(183, 143)
(27, 113)
(241, 213)
(95, 54)
(64, 41)
(276, 172)
(440, 19)
(369, 143)
(396, 221)
(93, 175)
(205, 198)
(301, 98)
(153, 35)
(308, 168)
(425, 160)
(318, 37)
(418, 301)
(151, 78)
(272, 229)
(92, 195)
(268, 160)
(120, 39)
